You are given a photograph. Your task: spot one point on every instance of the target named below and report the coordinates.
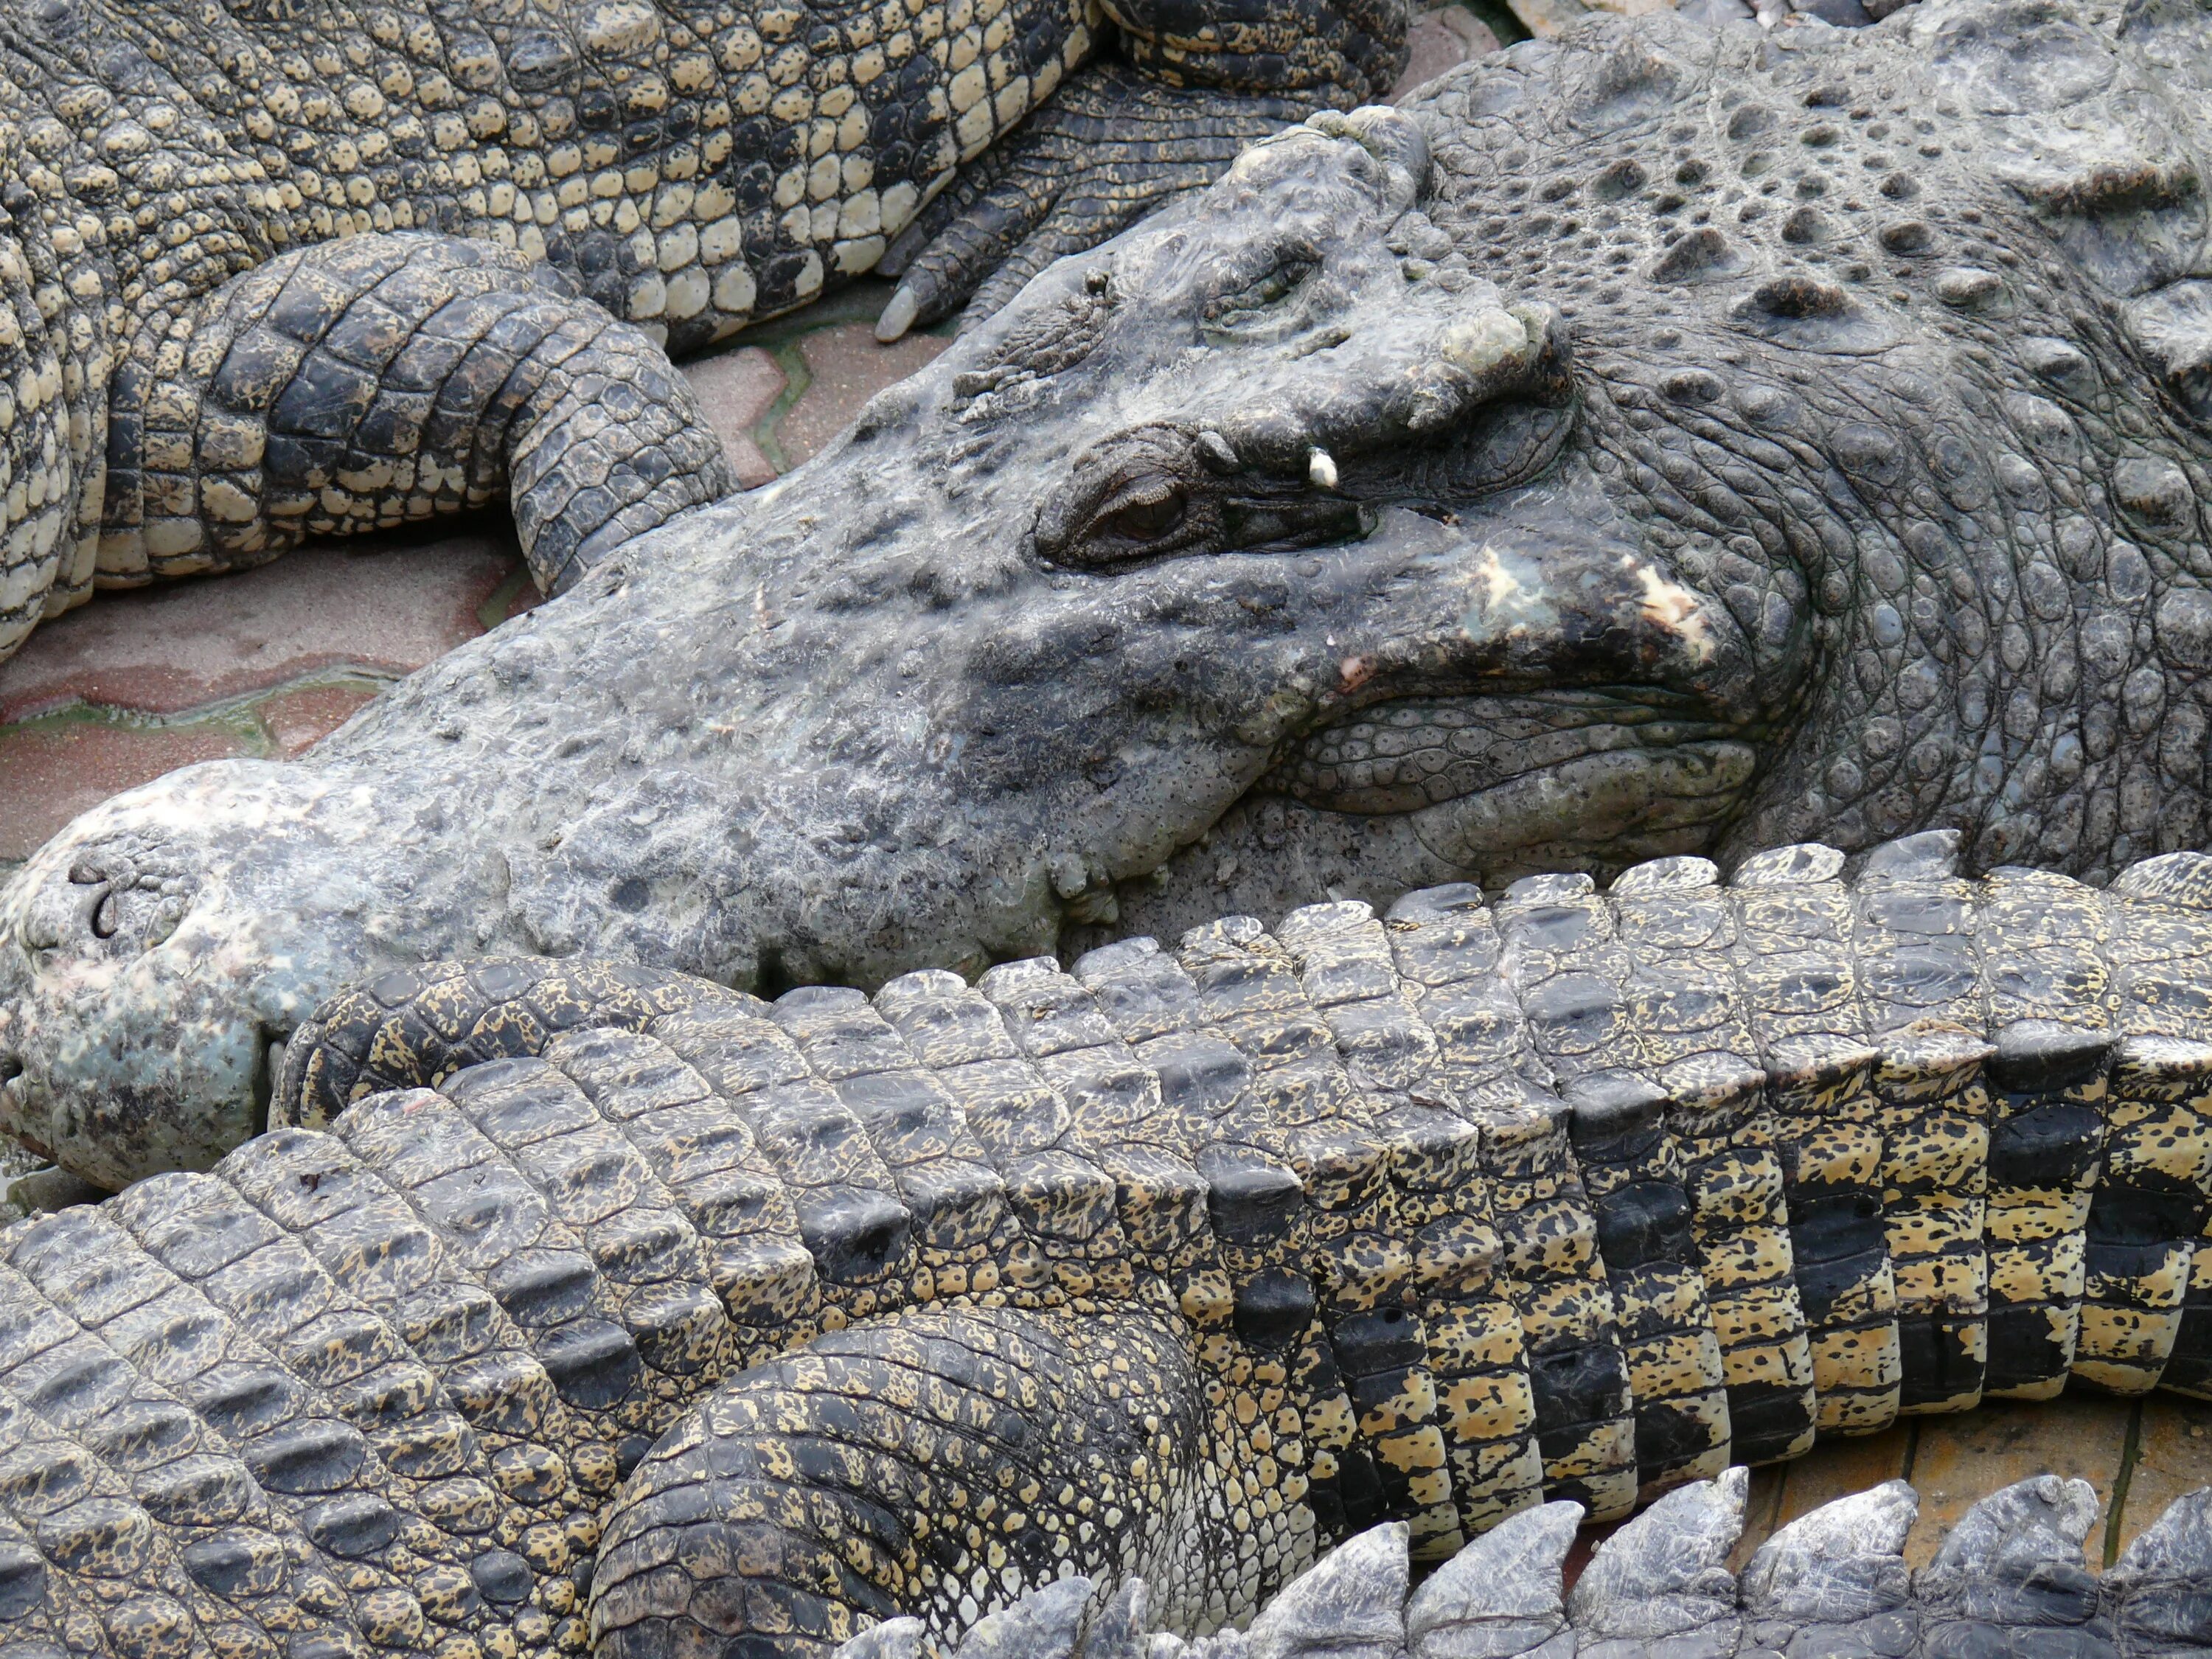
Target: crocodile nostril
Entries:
(11, 1067)
(107, 916)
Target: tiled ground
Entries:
(2139, 1455)
(267, 662)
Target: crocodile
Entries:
(577, 1304)
(274, 270)
(1673, 440)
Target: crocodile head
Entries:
(1245, 505)
(1327, 586)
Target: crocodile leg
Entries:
(362, 384)
(1108, 148)
(1199, 80)
(929, 1464)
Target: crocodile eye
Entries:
(1250, 303)
(1149, 511)
(1140, 496)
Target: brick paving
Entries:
(266, 662)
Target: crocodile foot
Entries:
(1105, 150)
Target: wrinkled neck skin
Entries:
(1675, 440)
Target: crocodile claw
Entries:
(898, 316)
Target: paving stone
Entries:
(52, 769)
(1961, 1459)
(299, 716)
(1762, 1512)
(168, 648)
(2173, 1456)
(1835, 1467)
(1439, 40)
(47, 1189)
(1546, 18)
(735, 389)
(1583, 1548)
(849, 366)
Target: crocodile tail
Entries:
(2009, 1579)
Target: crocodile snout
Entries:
(144, 973)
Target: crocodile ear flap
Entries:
(2087, 128)
(1931, 855)
(2089, 132)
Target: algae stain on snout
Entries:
(1673, 608)
(1507, 595)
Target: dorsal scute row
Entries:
(1117, 1115)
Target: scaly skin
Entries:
(1654, 443)
(275, 271)
(2009, 1579)
(1181, 1264)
